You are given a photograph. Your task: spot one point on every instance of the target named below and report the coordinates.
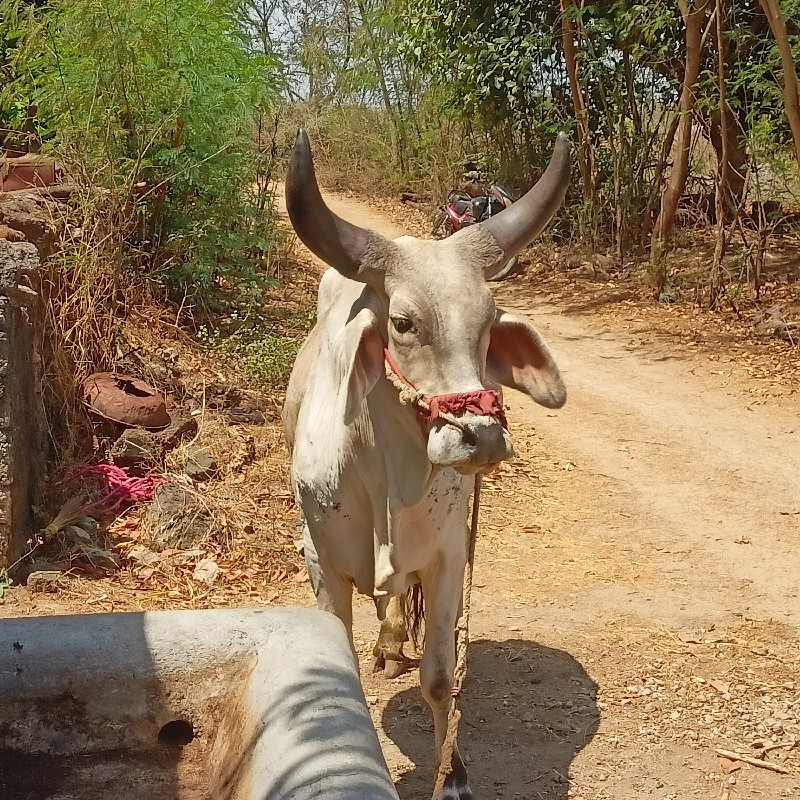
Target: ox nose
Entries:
(479, 446)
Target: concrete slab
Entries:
(198, 705)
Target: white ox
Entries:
(383, 489)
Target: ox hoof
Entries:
(457, 790)
(392, 667)
(451, 793)
(456, 785)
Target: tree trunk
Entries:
(730, 131)
(693, 18)
(663, 157)
(791, 83)
(585, 153)
(397, 141)
(629, 85)
(723, 170)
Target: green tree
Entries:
(157, 103)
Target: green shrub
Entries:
(157, 102)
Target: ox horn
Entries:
(523, 221)
(328, 236)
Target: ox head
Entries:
(433, 310)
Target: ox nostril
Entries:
(493, 445)
(469, 436)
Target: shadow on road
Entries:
(528, 710)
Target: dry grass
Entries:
(252, 522)
(88, 297)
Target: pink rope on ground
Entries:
(118, 486)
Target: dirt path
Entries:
(637, 583)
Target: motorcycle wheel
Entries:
(505, 270)
(440, 227)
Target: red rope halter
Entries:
(483, 403)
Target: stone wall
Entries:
(21, 415)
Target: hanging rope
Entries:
(462, 644)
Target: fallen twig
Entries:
(765, 748)
(754, 762)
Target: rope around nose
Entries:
(481, 403)
(409, 396)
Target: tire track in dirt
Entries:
(644, 542)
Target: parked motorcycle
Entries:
(461, 209)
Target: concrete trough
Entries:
(198, 705)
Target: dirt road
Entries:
(637, 582)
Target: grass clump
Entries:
(263, 349)
(267, 361)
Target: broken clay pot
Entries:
(126, 400)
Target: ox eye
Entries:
(402, 324)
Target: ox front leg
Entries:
(333, 592)
(388, 651)
(442, 590)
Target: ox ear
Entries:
(518, 358)
(363, 349)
